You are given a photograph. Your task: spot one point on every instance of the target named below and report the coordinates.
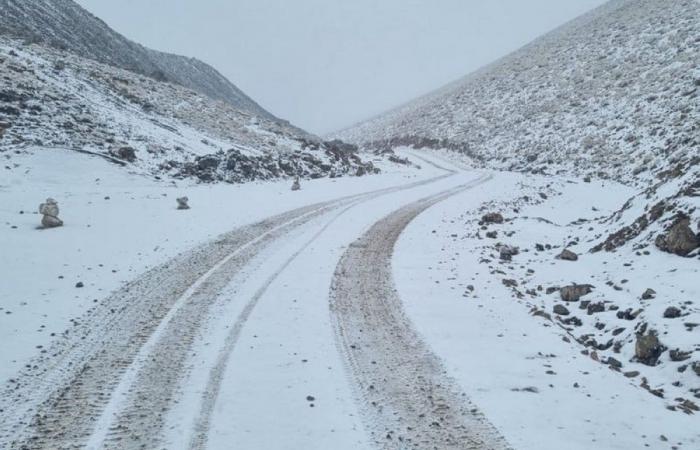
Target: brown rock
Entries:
(574, 292)
(680, 238)
(648, 348)
(568, 255)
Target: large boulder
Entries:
(680, 238)
(648, 348)
(574, 292)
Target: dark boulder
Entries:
(574, 292)
(680, 238)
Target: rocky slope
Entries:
(63, 24)
(614, 94)
(610, 99)
(55, 99)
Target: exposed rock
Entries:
(509, 282)
(574, 292)
(672, 313)
(568, 255)
(612, 362)
(506, 252)
(551, 290)
(182, 203)
(560, 310)
(492, 234)
(680, 238)
(125, 153)
(696, 368)
(595, 308)
(208, 162)
(649, 294)
(648, 348)
(539, 247)
(492, 218)
(50, 214)
(678, 355)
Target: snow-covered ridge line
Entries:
(55, 99)
(64, 24)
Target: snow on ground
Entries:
(117, 225)
(528, 375)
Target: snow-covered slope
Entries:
(52, 98)
(614, 93)
(63, 24)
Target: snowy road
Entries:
(154, 365)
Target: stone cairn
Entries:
(296, 186)
(49, 210)
(182, 203)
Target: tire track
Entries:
(63, 396)
(408, 399)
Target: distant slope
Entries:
(55, 99)
(614, 94)
(63, 24)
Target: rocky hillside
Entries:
(56, 99)
(63, 24)
(614, 94)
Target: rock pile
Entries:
(49, 210)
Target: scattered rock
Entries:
(509, 283)
(612, 362)
(182, 203)
(125, 153)
(678, 355)
(680, 238)
(672, 313)
(551, 290)
(696, 368)
(568, 255)
(560, 310)
(79, 284)
(539, 247)
(492, 218)
(507, 252)
(648, 348)
(574, 292)
(595, 308)
(631, 374)
(492, 234)
(50, 214)
(649, 294)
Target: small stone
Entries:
(493, 217)
(672, 313)
(79, 284)
(612, 362)
(561, 310)
(310, 398)
(574, 292)
(296, 186)
(649, 294)
(631, 374)
(568, 255)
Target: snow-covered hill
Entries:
(63, 24)
(610, 99)
(55, 99)
(614, 93)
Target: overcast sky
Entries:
(326, 64)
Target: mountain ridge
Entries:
(65, 25)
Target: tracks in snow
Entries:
(408, 400)
(109, 381)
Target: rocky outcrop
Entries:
(680, 238)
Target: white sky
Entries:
(326, 64)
